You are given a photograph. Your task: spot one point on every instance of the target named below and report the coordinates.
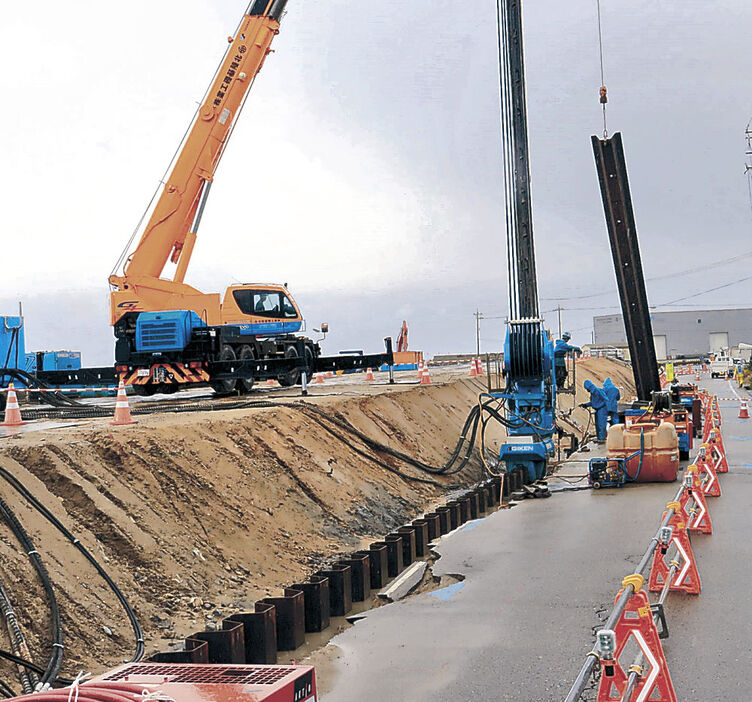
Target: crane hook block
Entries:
(604, 95)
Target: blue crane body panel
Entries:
(12, 343)
(165, 331)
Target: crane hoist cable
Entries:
(603, 92)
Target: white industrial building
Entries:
(684, 334)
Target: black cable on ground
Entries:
(28, 679)
(18, 660)
(5, 691)
(373, 459)
(471, 424)
(54, 398)
(24, 492)
(56, 629)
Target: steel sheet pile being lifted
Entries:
(522, 279)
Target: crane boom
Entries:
(170, 233)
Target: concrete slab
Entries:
(405, 583)
(538, 580)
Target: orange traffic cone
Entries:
(12, 410)
(743, 411)
(318, 379)
(473, 368)
(271, 383)
(369, 375)
(425, 377)
(478, 367)
(122, 411)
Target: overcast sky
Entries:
(365, 170)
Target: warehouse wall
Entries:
(687, 333)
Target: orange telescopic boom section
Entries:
(170, 234)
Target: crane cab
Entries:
(261, 310)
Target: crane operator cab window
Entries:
(265, 303)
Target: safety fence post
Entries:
(688, 578)
(693, 504)
(635, 623)
(711, 485)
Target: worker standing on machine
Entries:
(612, 401)
(561, 349)
(598, 405)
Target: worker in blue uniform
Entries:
(561, 349)
(612, 400)
(598, 405)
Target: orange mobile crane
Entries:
(167, 332)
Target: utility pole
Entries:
(558, 309)
(478, 316)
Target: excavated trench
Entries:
(198, 517)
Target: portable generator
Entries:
(612, 472)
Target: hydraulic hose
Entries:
(52, 397)
(18, 660)
(447, 469)
(39, 507)
(56, 629)
(642, 455)
(5, 691)
(28, 679)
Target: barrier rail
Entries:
(98, 388)
(632, 615)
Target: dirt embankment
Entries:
(196, 516)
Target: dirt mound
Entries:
(197, 516)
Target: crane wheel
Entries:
(292, 377)
(225, 387)
(144, 390)
(246, 353)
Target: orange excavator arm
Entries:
(170, 233)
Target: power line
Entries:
(667, 276)
(703, 292)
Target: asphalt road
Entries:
(539, 579)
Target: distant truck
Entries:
(722, 367)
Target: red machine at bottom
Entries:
(186, 682)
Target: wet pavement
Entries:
(539, 578)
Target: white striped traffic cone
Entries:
(369, 374)
(122, 410)
(425, 377)
(12, 410)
